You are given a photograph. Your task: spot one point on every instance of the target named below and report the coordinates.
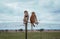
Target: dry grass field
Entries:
(31, 35)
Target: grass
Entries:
(31, 35)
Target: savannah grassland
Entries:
(31, 35)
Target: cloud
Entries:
(13, 11)
(50, 9)
(45, 10)
(49, 5)
(9, 18)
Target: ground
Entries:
(31, 35)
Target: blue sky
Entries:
(47, 11)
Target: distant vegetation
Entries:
(29, 30)
(41, 30)
(20, 29)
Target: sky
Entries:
(47, 11)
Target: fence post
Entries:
(26, 17)
(25, 30)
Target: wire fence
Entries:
(40, 31)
